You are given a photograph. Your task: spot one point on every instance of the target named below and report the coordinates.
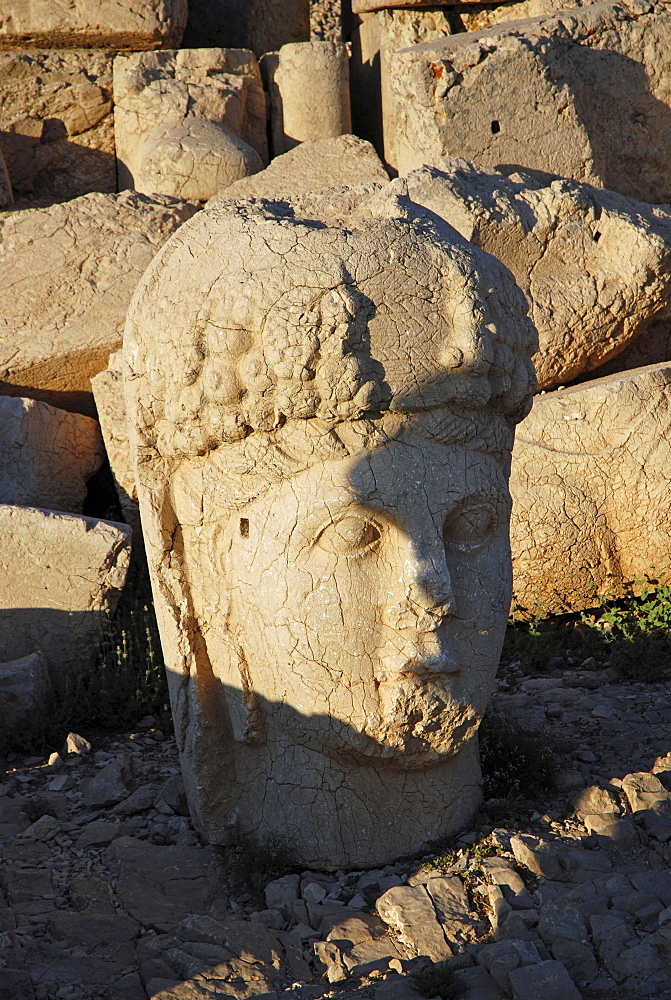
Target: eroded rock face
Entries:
(60, 575)
(591, 485)
(56, 122)
(321, 425)
(72, 269)
(102, 24)
(167, 89)
(583, 94)
(595, 266)
(345, 161)
(46, 455)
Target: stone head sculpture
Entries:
(322, 425)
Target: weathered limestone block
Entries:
(649, 348)
(60, 576)
(68, 272)
(25, 691)
(259, 25)
(374, 40)
(6, 194)
(92, 24)
(596, 267)
(194, 159)
(346, 161)
(46, 455)
(108, 393)
(591, 486)
(584, 94)
(56, 123)
(152, 89)
(476, 18)
(331, 631)
(308, 87)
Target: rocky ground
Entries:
(108, 893)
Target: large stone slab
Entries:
(56, 123)
(46, 455)
(68, 272)
(259, 25)
(583, 94)
(94, 24)
(25, 691)
(60, 576)
(345, 161)
(108, 393)
(595, 266)
(289, 385)
(163, 89)
(591, 487)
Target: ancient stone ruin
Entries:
(335, 620)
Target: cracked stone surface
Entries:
(46, 455)
(164, 90)
(589, 484)
(322, 430)
(60, 575)
(91, 24)
(193, 159)
(56, 123)
(69, 272)
(583, 94)
(344, 162)
(299, 113)
(595, 266)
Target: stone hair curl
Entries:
(248, 319)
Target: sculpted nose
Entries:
(424, 593)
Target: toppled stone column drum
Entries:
(321, 421)
(308, 85)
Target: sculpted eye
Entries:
(349, 536)
(471, 524)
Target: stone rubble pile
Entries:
(107, 893)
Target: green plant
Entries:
(631, 633)
(440, 981)
(515, 761)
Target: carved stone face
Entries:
(369, 594)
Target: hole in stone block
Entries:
(244, 527)
(495, 127)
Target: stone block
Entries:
(46, 455)
(56, 123)
(590, 484)
(60, 577)
(25, 692)
(545, 981)
(92, 24)
(167, 89)
(409, 912)
(375, 38)
(308, 88)
(595, 266)
(259, 25)
(582, 94)
(326, 163)
(72, 269)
